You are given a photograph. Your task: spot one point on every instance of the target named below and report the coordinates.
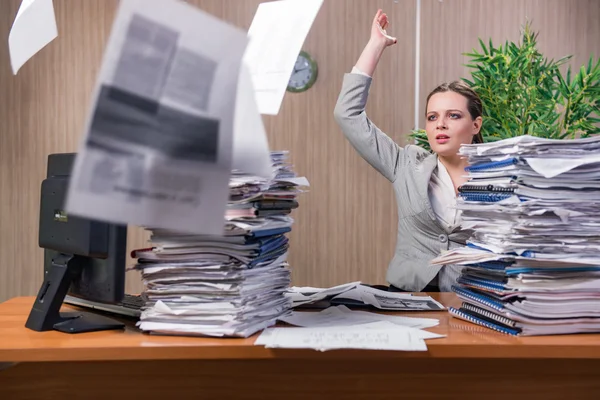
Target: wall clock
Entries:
(304, 74)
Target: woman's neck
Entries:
(456, 169)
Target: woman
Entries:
(425, 183)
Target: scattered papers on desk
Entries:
(381, 335)
(33, 28)
(532, 265)
(157, 148)
(307, 294)
(356, 294)
(230, 284)
(277, 33)
(343, 316)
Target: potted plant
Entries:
(525, 93)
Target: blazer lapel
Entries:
(426, 169)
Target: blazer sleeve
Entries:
(370, 142)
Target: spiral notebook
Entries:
(482, 322)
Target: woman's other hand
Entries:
(379, 41)
(378, 30)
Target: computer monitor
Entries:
(82, 257)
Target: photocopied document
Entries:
(33, 28)
(387, 300)
(157, 148)
(374, 336)
(277, 33)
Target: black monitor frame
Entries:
(82, 257)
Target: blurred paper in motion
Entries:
(157, 151)
(277, 33)
(34, 27)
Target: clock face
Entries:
(304, 73)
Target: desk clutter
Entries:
(238, 283)
(532, 265)
(227, 285)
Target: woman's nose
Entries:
(441, 123)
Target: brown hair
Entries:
(474, 104)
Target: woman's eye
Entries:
(455, 115)
(431, 118)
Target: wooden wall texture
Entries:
(346, 225)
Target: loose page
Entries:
(250, 146)
(376, 336)
(277, 34)
(343, 316)
(34, 27)
(157, 149)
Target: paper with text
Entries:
(34, 27)
(376, 336)
(157, 149)
(277, 34)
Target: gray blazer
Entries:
(420, 236)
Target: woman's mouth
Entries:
(441, 138)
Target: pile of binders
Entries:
(532, 264)
(227, 285)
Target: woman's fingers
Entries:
(377, 16)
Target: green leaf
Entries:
(483, 47)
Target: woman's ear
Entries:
(477, 125)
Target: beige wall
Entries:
(345, 226)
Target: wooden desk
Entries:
(470, 362)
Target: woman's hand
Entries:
(378, 42)
(378, 30)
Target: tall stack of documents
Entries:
(231, 284)
(532, 264)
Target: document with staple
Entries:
(277, 34)
(34, 27)
(157, 148)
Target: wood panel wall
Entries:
(452, 27)
(346, 225)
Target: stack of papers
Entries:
(532, 265)
(224, 285)
(355, 294)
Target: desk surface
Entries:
(464, 340)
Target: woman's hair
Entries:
(474, 104)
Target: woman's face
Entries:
(449, 124)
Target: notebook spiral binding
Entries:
(459, 314)
(493, 164)
(484, 197)
(485, 188)
(486, 313)
(468, 295)
(489, 285)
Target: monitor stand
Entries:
(45, 314)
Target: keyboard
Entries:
(130, 306)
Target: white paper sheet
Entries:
(34, 27)
(250, 145)
(307, 294)
(389, 300)
(277, 34)
(343, 316)
(376, 336)
(157, 149)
